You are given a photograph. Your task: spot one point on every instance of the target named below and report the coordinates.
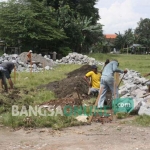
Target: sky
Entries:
(120, 15)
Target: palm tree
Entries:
(91, 33)
(120, 40)
(129, 38)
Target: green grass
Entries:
(32, 80)
(56, 122)
(143, 120)
(121, 115)
(27, 84)
(139, 63)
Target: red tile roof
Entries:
(110, 36)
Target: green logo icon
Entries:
(125, 105)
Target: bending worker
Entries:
(7, 69)
(107, 81)
(94, 81)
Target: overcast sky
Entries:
(119, 15)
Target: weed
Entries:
(143, 120)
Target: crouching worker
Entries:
(7, 69)
(93, 80)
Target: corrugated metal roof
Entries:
(135, 45)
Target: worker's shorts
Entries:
(7, 74)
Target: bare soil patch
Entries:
(114, 136)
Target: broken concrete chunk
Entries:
(82, 118)
(144, 110)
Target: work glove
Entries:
(125, 71)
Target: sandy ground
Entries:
(109, 136)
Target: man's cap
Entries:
(94, 67)
(30, 51)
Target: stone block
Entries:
(144, 110)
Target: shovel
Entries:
(101, 89)
(120, 80)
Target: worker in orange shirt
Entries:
(29, 57)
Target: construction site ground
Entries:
(114, 135)
(108, 136)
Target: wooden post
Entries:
(117, 78)
(116, 82)
(96, 103)
(14, 74)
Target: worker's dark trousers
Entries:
(3, 78)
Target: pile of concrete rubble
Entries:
(135, 86)
(39, 62)
(75, 58)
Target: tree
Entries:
(120, 40)
(129, 38)
(29, 21)
(92, 35)
(83, 7)
(50, 23)
(143, 32)
(81, 33)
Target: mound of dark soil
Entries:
(80, 72)
(74, 83)
(68, 87)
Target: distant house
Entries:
(138, 49)
(109, 42)
(110, 37)
(135, 45)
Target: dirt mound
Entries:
(80, 72)
(68, 87)
(72, 86)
